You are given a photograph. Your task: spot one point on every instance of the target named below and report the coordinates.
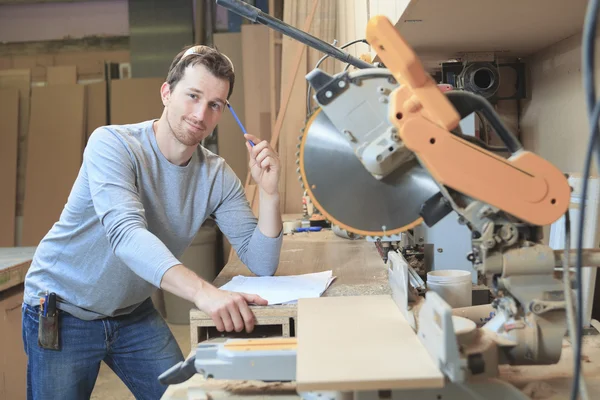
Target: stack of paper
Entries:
(282, 289)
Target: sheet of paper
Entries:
(282, 289)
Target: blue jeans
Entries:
(138, 347)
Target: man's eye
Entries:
(193, 96)
(216, 107)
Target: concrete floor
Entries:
(109, 386)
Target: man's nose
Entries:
(199, 111)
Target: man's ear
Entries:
(165, 93)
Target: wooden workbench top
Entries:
(356, 263)
(540, 382)
(14, 263)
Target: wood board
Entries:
(294, 13)
(9, 136)
(135, 100)
(61, 75)
(37, 63)
(335, 355)
(232, 145)
(257, 99)
(54, 156)
(21, 80)
(95, 104)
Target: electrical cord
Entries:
(568, 290)
(593, 109)
(308, 110)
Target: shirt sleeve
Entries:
(235, 219)
(112, 181)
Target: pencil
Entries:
(239, 122)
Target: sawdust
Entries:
(585, 358)
(251, 387)
(538, 390)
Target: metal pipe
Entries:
(256, 15)
(591, 258)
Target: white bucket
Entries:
(453, 286)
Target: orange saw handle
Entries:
(526, 185)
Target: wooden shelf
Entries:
(513, 28)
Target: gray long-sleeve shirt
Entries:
(130, 214)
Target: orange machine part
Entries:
(526, 185)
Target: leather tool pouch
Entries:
(48, 332)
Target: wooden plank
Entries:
(14, 263)
(55, 142)
(5, 62)
(287, 92)
(90, 64)
(274, 68)
(61, 75)
(135, 100)
(37, 63)
(292, 129)
(395, 359)
(21, 80)
(351, 25)
(231, 142)
(294, 97)
(203, 329)
(9, 136)
(257, 100)
(95, 104)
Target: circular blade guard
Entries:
(349, 195)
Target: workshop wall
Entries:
(554, 118)
(52, 21)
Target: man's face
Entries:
(195, 105)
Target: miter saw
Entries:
(382, 155)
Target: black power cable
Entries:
(593, 110)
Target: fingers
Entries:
(269, 161)
(267, 154)
(216, 317)
(258, 147)
(255, 299)
(234, 308)
(226, 317)
(254, 139)
(246, 314)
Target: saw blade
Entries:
(348, 195)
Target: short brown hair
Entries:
(216, 62)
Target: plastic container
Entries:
(200, 257)
(453, 285)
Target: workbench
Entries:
(547, 382)
(356, 264)
(14, 263)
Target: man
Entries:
(141, 195)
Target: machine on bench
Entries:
(381, 155)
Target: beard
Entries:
(187, 132)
